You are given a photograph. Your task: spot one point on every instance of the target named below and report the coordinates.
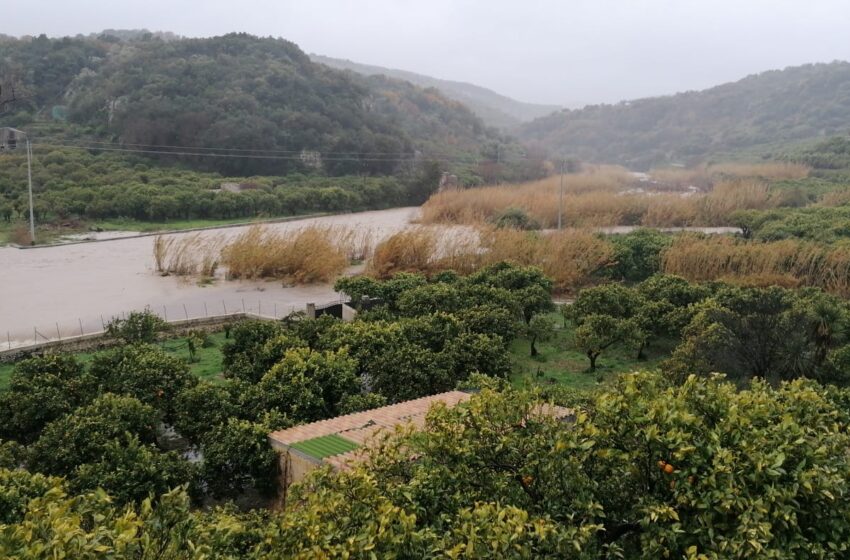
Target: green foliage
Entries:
(237, 456)
(17, 488)
(791, 105)
(350, 404)
(41, 390)
(307, 385)
(199, 409)
(637, 255)
(131, 471)
(539, 329)
(82, 436)
(137, 327)
(515, 218)
(144, 371)
(771, 333)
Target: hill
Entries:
(494, 109)
(759, 112)
(237, 91)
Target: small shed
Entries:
(339, 442)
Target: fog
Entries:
(548, 51)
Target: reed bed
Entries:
(786, 263)
(570, 257)
(307, 255)
(187, 255)
(605, 207)
(705, 176)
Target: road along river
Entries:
(75, 288)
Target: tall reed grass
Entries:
(311, 254)
(704, 176)
(606, 206)
(187, 255)
(570, 257)
(787, 262)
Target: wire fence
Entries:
(91, 325)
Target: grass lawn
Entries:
(207, 365)
(558, 361)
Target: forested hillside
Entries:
(759, 111)
(493, 108)
(238, 92)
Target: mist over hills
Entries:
(754, 114)
(493, 108)
(236, 91)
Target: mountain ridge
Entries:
(493, 108)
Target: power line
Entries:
(324, 157)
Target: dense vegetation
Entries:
(243, 95)
(643, 467)
(298, 136)
(760, 111)
(104, 423)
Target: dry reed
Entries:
(787, 262)
(187, 255)
(311, 254)
(569, 257)
(604, 207)
(704, 176)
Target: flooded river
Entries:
(74, 288)
(66, 290)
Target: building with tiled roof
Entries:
(340, 441)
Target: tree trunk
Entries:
(640, 354)
(533, 347)
(592, 357)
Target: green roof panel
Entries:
(325, 446)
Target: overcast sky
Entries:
(547, 51)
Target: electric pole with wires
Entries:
(17, 133)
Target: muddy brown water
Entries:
(61, 291)
(75, 288)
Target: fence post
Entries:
(81, 325)
(224, 306)
(165, 312)
(206, 313)
(275, 310)
(35, 335)
(243, 305)
(102, 322)
(9, 339)
(186, 313)
(58, 334)
(259, 308)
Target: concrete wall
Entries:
(98, 341)
(294, 467)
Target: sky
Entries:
(567, 52)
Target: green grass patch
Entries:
(325, 446)
(560, 362)
(207, 365)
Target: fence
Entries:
(195, 312)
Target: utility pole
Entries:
(561, 199)
(498, 163)
(29, 177)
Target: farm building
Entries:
(340, 441)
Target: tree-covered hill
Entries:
(235, 91)
(767, 109)
(493, 108)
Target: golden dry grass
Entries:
(311, 254)
(704, 176)
(786, 263)
(609, 205)
(187, 255)
(569, 257)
